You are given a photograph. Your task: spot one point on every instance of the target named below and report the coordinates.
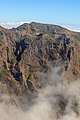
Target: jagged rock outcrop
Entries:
(29, 51)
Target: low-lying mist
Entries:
(56, 100)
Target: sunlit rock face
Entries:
(30, 51)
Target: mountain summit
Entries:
(40, 27)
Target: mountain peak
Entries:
(40, 27)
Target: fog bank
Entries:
(56, 100)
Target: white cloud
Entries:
(75, 28)
(12, 24)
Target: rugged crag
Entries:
(30, 50)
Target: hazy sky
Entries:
(46, 11)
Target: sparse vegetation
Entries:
(77, 37)
(30, 51)
(13, 59)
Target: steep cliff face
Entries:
(30, 51)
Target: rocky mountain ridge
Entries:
(30, 51)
